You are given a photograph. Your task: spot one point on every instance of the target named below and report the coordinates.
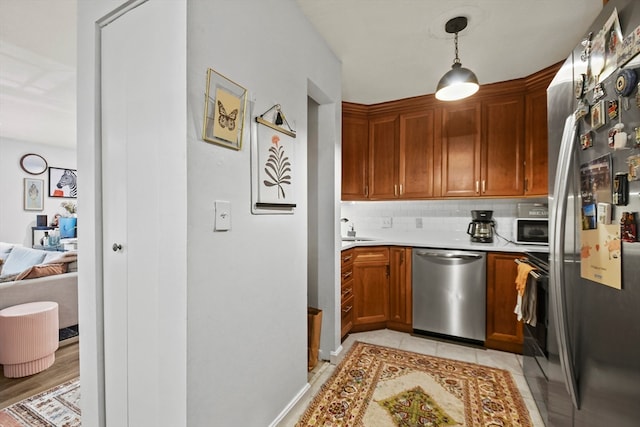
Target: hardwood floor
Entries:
(65, 368)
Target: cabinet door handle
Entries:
(395, 190)
(526, 185)
(484, 186)
(346, 292)
(347, 309)
(347, 275)
(347, 258)
(477, 187)
(366, 191)
(401, 190)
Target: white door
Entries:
(134, 100)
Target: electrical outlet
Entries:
(418, 222)
(386, 222)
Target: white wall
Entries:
(15, 222)
(247, 291)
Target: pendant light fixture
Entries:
(459, 82)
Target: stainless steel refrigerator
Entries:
(594, 330)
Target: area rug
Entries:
(56, 407)
(378, 386)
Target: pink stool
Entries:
(28, 338)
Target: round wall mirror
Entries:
(33, 164)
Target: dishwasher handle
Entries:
(448, 255)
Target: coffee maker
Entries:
(481, 228)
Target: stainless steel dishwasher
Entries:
(449, 293)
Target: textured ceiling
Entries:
(393, 49)
(390, 49)
(38, 71)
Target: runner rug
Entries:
(56, 407)
(378, 386)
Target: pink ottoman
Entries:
(28, 338)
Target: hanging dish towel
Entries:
(521, 284)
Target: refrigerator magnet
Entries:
(612, 109)
(580, 85)
(597, 115)
(586, 140)
(582, 110)
(598, 92)
(625, 82)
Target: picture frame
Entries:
(63, 183)
(273, 171)
(33, 194)
(224, 111)
(597, 115)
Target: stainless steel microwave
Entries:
(531, 231)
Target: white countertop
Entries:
(439, 240)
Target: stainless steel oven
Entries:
(535, 353)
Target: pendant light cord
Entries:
(456, 60)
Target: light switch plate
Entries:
(223, 215)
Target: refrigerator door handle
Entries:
(557, 252)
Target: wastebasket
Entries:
(314, 323)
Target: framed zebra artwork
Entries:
(62, 183)
(225, 103)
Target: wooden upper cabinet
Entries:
(355, 156)
(536, 145)
(461, 141)
(536, 132)
(417, 155)
(502, 167)
(492, 144)
(383, 157)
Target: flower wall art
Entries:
(273, 166)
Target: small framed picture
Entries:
(597, 115)
(63, 183)
(586, 140)
(224, 108)
(33, 194)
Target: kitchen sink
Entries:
(357, 239)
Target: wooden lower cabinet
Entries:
(504, 331)
(400, 296)
(381, 289)
(370, 288)
(346, 292)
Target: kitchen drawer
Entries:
(346, 310)
(346, 274)
(346, 258)
(371, 254)
(346, 291)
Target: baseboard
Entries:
(335, 355)
(291, 405)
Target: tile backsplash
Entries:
(427, 215)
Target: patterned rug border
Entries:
(22, 407)
(518, 401)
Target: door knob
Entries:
(116, 247)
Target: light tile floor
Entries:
(418, 344)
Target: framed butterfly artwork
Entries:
(224, 107)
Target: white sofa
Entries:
(60, 288)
